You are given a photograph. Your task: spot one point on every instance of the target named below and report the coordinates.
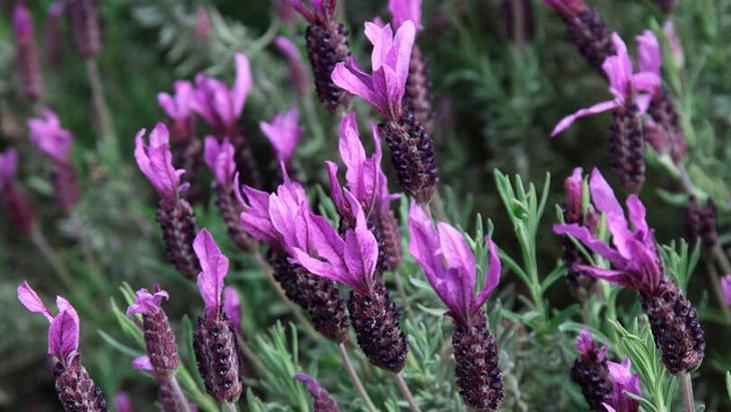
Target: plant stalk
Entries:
(178, 392)
(406, 392)
(229, 407)
(105, 128)
(354, 377)
(687, 383)
(57, 264)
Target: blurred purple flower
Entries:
(726, 288)
(29, 69)
(202, 25)
(156, 162)
(284, 134)
(218, 105)
(8, 166)
(297, 72)
(214, 266)
(588, 349)
(219, 157)
(48, 135)
(623, 382)
(123, 402)
(179, 108)
(53, 35)
(403, 10)
(14, 201)
(384, 89)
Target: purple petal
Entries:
(617, 277)
(403, 10)
(597, 246)
(312, 386)
(493, 274)
(726, 288)
(637, 214)
(457, 254)
(403, 43)
(646, 81)
(29, 298)
(63, 335)
(345, 78)
(254, 217)
(142, 363)
(567, 121)
(361, 250)
(649, 55)
(232, 306)
(618, 69)
(336, 191)
(220, 159)
(48, 135)
(605, 201)
(322, 268)
(351, 149)
(283, 134)
(123, 402)
(156, 161)
(147, 303)
(214, 266)
(242, 84)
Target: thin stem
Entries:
(105, 127)
(229, 406)
(354, 377)
(404, 388)
(179, 395)
(57, 264)
(715, 281)
(722, 259)
(687, 392)
(249, 354)
(267, 269)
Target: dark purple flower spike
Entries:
(636, 264)
(26, 53)
(174, 213)
(14, 201)
(700, 223)
(591, 371)
(53, 36)
(450, 268)
(76, 390)
(321, 400)
(214, 340)
(84, 22)
(327, 45)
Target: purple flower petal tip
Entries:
(214, 267)
(155, 160)
(48, 135)
(283, 133)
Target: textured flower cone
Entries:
(217, 354)
(187, 156)
(230, 211)
(178, 231)
(592, 37)
(476, 357)
(662, 110)
(412, 155)
(65, 187)
(75, 389)
(675, 326)
(518, 20)
(319, 296)
(627, 147)
(578, 281)
(591, 373)
(389, 239)
(17, 207)
(322, 402)
(169, 401)
(666, 6)
(327, 45)
(417, 98)
(700, 223)
(245, 163)
(29, 68)
(375, 319)
(160, 344)
(83, 18)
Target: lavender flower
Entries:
(632, 94)
(159, 337)
(84, 22)
(14, 201)
(76, 391)
(53, 37)
(280, 220)
(623, 382)
(55, 142)
(636, 264)
(29, 69)
(321, 400)
(214, 341)
(168, 392)
(591, 371)
(327, 45)
(700, 223)
(726, 288)
(297, 73)
(412, 153)
(174, 213)
(450, 268)
(578, 281)
(351, 260)
(367, 182)
(284, 134)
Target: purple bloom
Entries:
(574, 188)
(726, 288)
(156, 162)
(8, 166)
(403, 10)
(385, 88)
(297, 72)
(322, 11)
(48, 135)
(624, 85)
(63, 332)
(623, 382)
(179, 108)
(449, 264)
(284, 134)
(350, 259)
(142, 363)
(634, 257)
(214, 266)
(147, 303)
(22, 21)
(587, 347)
(123, 402)
(220, 159)
(649, 53)
(218, 105)
(365, 179)
(232, 307)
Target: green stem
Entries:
(178, 393)
(687, 384)
(57, 264)
(354, 377)
(406, 392)
(229, 407)
(105, 127)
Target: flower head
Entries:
(449, 264)
(624, 85)
(403, 10)
(232, 306)
(384, 89)
(218, 105)
(574, 188)
(147, 303)
(726, 288)
(284, 134)
(63, 332)
(214, 267)
(322, 11)
(22, 21)
(350, 259)
(179, 108)
(588, 348)
(297, 72)
(219, 157)
(8, 166)
(634, 257)
(364, 176)
(48, 135)
(623, 382)
(156, 162)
